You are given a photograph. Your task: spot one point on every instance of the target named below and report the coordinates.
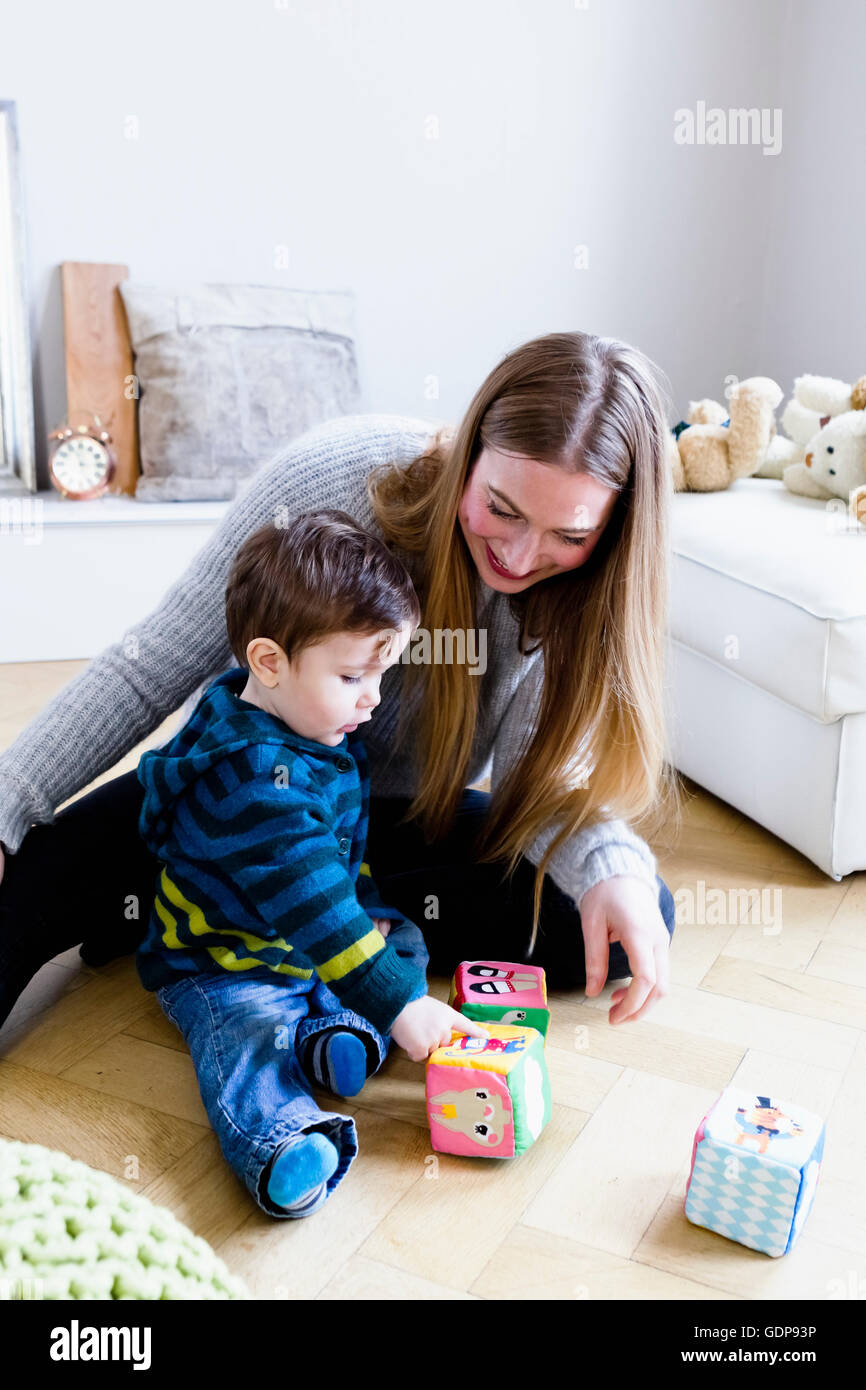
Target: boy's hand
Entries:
(425, 1024)
(383, 923)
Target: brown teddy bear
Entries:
(716, 446)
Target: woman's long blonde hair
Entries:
(589, 405)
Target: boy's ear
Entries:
(263, 655)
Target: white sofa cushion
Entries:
(772, 587)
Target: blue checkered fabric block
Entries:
(754, 1170)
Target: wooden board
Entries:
(99, 362)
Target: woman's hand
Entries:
(382, 924)
(626, 909)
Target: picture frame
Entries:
(17, 437)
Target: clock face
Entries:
(80, 463)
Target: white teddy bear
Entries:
(834, 464)
(825, 453)
(815, 401)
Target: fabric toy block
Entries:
(488, 1096)
(500, 991)
(755, 1166)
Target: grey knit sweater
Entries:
(162, 663)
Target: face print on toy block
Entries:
(488, 1096)
(498, 991)
(481, 1113)
(755, 1166)
(764, 1121)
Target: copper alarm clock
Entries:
(81, 462)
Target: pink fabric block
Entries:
(452, 1088)
(505, 987)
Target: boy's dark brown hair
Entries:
(319, 574)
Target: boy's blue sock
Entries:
(300, 1171)
(337, 1058)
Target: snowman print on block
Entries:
(488, 1096)
(498, 991)
(755, 1166)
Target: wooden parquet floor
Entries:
(89, 1064)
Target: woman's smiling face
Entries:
(534, 519)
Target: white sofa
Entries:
(767, 645)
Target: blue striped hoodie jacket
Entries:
(261, 834)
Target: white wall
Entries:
(814, 292)
(263, 125)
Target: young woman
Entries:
(537, 536)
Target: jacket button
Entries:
(343, 764)
(344, 845)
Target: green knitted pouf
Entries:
(69, 1231)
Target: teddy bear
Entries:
(834, 462)
(715, 446)
(816, 400)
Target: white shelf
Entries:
(76, 576)
(53, 509)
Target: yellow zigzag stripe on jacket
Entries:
(223, 955)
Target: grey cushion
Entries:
(228, 375)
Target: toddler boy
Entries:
(268, 944)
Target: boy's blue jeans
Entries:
(245, 1037)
